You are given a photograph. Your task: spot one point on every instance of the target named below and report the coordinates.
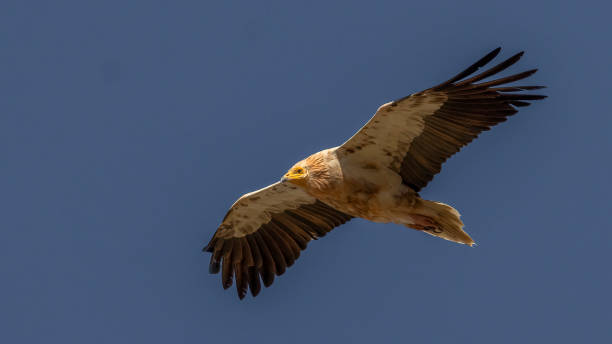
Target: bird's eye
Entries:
(299, 171)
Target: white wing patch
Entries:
(254, 209)
(387, 136)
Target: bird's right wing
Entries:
(414, 135)
(264, 232)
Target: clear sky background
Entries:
(127, 129)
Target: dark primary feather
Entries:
(471, 69)
(272, 248)
(471, 108)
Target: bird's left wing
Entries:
(414, 135)
(264, 232)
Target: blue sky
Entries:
(127, 129)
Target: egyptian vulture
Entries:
(375, 175)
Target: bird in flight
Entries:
(376, 175)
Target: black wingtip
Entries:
(535, 96)
(471, 69)
(267, 279)
(255, 292)
(514, 58)
(210, 246)
(227, 273)
(241, 292)
(228, 282)
(254, 283)
(214, 267)
(519, 103)
(526, 74)
(493, 70)
(490, 56)
(527, 88)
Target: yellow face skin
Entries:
(296, 175)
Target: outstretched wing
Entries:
(414, 135)
(264, 232)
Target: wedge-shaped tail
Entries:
(447, 222)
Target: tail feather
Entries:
(449, 225)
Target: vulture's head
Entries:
(298, 174)
(312, 172)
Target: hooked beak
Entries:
(284, 179)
